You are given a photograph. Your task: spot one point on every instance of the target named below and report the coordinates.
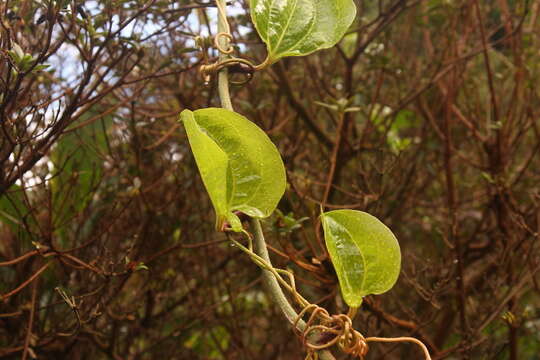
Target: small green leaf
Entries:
(141, 266)
(25, 63)
(41, 67)
(18, 51)
(240, 167)
(328, 106)
(364, 251)
(300, 27)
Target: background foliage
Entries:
(97, 182)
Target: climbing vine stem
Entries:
(270, 278)
(322, 330)
(223, 41)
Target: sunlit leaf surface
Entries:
(300, 27)
(240, 167)
(364, 251)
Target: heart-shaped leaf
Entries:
(300, 27)
(240, 167)
(364, 251)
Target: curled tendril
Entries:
(279, 274)
(236, 65)
(330, 331)
(222, 14)
(217, 44)
(322, 330)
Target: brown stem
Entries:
(452, 212)
(26, 282)
(30, 322)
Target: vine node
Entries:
(235, 66)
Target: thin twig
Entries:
(30, 322)
(26, 283)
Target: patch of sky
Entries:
(69, 66)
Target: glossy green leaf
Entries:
(364, 251)
(240, 167)
(300, 27)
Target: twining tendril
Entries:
(223, 14)
(235, 65)
(322, 330)
(217, 43)
(278, 273)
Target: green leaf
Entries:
(18, 51)
(300, 27)
(240, 167)
(141, 266)
(13, 207)
(41, 67)
(364, 251)
(78, 158)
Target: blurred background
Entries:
(107, 240)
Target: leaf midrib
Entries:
(246, 202)
(308, 32)
(359, 251)
(284, 31)
(361, 255)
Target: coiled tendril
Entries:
(323, 331)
